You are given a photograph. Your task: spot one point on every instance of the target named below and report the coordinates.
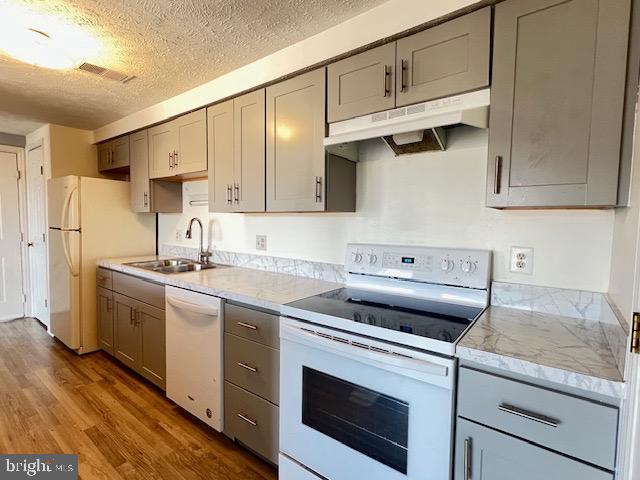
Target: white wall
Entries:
(388, 19)
(434, 199)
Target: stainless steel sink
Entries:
(173, 265)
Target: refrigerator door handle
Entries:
(67, 254)
(65, 208)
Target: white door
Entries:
(11, 294)
(36, 201)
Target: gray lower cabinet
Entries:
(136, 332)
(507, 429)
(450, 58)
(557, 94)
(301, 176)
(147, 195)
(236, 154)
(486, 454)
(252, 381)
(362, 84)
(105, 319)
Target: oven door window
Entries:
(370, 422)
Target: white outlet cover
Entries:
(521, 260)
(178, 235)
(261, 242)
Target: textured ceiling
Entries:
(169, 45)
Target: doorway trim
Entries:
(22, 215)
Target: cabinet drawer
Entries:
(252, 421)
(252, 324)
(142, 290)
(578, 427)
(252, 366)
(104, 278)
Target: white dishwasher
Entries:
(194, 353)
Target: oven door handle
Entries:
(398, 362)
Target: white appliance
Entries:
(406, 124)
(89, 219)
(194, 353)
(365, 395)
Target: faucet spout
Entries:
(203, 254)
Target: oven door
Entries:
(352, 411)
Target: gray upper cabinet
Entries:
(236, 151)
(450, 58)
(113, 154)
(301, 176)
(362, 84)
(485, 454)
(557, 96)
(150, 195)
(179, 147)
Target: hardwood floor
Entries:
(53, 401)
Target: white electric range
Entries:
(367, 371)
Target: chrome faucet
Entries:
(204, 254)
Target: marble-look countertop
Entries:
(559, 349)
(262, 289)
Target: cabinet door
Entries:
(152, 343)
(556, 102)
(162, 144)
(249, 152)
(105, 319)
(120, 155)
(220, 152)
(127, 333)
(139, 158)
(104, 156)
(361, 84)
(295, 152)
(485, 454)
(444, 60)
(191, 150)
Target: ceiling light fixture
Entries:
(38, 48)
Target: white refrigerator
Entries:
(89, 219)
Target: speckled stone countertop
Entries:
(246, 285)
(565, 350)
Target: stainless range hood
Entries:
(414, 128)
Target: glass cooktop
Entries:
(425, 318)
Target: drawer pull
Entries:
(248, 367)
(248, 420)
(548, 421)
(247, 325)
(468, 473)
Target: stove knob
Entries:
(446, 265)
(468, 266)
(373, 258)
(357, 257)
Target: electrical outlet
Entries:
(261, 242)
(178, 235)
(522, 260)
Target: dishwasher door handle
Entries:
(192, 307)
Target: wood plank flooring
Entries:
(53, 401)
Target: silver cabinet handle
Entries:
(247, 325)
(247, 367)
(520, 412)
(248, 420)
(387, 80)
(132, 316)
(171, 165)
(497, 168)
(145, 199)
(176, 162)
(138, 318)
(318, 189)
(108, 304)
(228, 194)
(467, 461)
(236, 193)
(403, 64)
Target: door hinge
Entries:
(41, 170)
(24, 298)
(44, 237)
(22, 237)
(635, 334)
(46, 303)
(19, 175)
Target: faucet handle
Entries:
(205, 255)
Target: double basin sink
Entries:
(173, 265)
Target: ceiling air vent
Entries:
(105, 72)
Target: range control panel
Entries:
(447, 266)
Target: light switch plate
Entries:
(261, 242)
(521, 260)
(178, 235)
